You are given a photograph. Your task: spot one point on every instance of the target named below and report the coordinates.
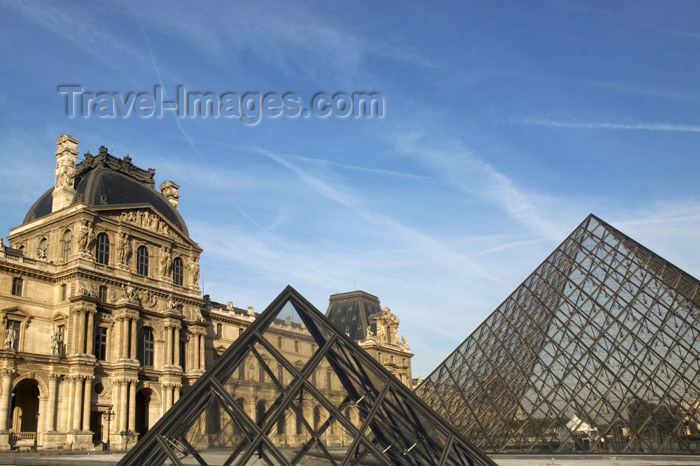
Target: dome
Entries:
(105, 180)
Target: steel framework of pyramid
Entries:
(597, 350)
(334, 405)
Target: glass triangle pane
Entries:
(289, 335)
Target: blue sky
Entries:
(505, 123)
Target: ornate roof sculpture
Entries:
(335, 405)
(597, 350)
(103, 180)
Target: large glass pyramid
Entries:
(294, 390)
(598, 350)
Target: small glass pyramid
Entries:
(597, 351)
(293, 390)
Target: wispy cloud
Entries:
(458, 167)
(82, 29)
(646, 90)
(590, 125)
(277, 34)
(430, 246)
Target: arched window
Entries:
(43, 248)
(102, 249)
(177, 271)
(145, 348)
(66, 246)
(142, 261)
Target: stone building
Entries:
(361, 317)
(103, 321)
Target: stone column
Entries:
(123, 389)
(51, 415)
(81, 332)
(134, 337)
(168, 399)
(124, 337)
(77, 401)
(168, 346)
(68, 394)
(89, 345)
(201, 352)
(195, 344)
(132, 405)
(176, 393)
(5, 397)
(176, 346)
(86, 404)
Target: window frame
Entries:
(145, 351)
(100, 346)
(102, 249)
(142, 261)
(17, 286)
(178, 274)
(66, 245)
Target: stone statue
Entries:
(129, 294)
(404, 344)
(84, 236)
(124, 248)
(54, 343)
(10, 336)
(65, 172)
(164, 261)
(194, 268)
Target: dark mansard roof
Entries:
(350, 312)
(104, 180)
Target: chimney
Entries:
(63, 190)
(169, 190)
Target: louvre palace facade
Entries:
(103, 322)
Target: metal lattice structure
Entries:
(597, 350)
(333, 405)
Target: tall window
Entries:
(280, 374)
(64, 292)
(177, 271)
(241, 370)
(145, 348)
(261, 372)
(102, 249)
(142, 261)
(183, 354)
(17, 286)
(218, 330)
(102, 295)
(101, 343)
(66, 246)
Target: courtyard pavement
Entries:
(103, 458)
